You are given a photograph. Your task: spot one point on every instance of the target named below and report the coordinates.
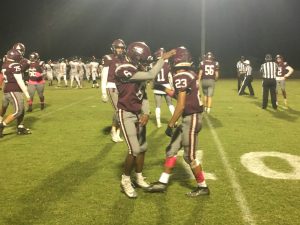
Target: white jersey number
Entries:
(180, 83)
(209, 70)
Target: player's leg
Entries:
(31, 90)
(128, 123)
(40, 90)
(65, 80)
(157, 98)
(170, 104)
(112, 94)
(191, 126)
(249, 84)
(210, 93)
(282, 86)
(5, 103)
(170, 162)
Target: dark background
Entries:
(64, 28)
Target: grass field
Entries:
(68, 171)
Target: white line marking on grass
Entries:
(65, 107)
(199, 155)
(238, 193)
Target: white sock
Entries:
(164, 178)
(124, 177)
(139, 176)
(202, 184)
(208, 110)
(172, 109)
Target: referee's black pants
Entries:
(247, 83)
(269, 85)
(241, 77)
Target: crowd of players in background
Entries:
(124, 76)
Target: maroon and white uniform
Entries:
(164, 78)
(12, 91)
(209, 69)
(282, 70)
(186, 135)
(108, 81)
(36, 70)
(25, 63)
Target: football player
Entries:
(80, 72)
(36, 80)
(283, 72)
(88, 72)
(62, 73)
(108, 85)
(133, 110)
(49, 72)
(94, 69)
(74, 72)
(13, 92)
(189, 107)
(164, 78)
(208, 74)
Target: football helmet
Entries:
(279, 56)
(119, 43)
(19, 47)
(268, 57)
(158, 54)
(209, 56)
(182, 58)
(139, 54)
(34, 56)
(14, 55)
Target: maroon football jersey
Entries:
(209, 69)
(112, 61)
(282, 69)
(162, 76)
(131, 93)
(8, 71)
(36, 71)
(187, 81)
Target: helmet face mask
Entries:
(34, 56)
(209, 56)
(118, 47)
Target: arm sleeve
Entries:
(145, 106)
(150, 74)
(104, 75)
(19, 79)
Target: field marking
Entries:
(238, 193)
(187, 168)
(64, 107)
(253, 161)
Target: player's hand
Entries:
(169, 54)
(144, 119)
(169, 131)
(104, 98)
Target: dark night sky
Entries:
(63, 28)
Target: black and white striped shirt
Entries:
(269, 70)
(241, 67)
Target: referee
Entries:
(269, 70)
(241, 71)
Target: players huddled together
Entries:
(125, 75)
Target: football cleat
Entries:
(23, 131)
(127, 188)
(140, 182)
(157, 187)
(198, 192)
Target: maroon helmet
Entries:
(158, 54)
(34, 56)
(19, 47)
(119, 43)
(209, 56)
(182, 58)
(14, 55)
(139, 53)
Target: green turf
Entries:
(68, 171)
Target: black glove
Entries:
(169, 131)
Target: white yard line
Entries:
(237, 190)
(64, 107)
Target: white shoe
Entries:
(119, 139)
(114, 138)
(127, 188)
(142, 183)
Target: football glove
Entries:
(169, 131)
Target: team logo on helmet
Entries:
(34, 56)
